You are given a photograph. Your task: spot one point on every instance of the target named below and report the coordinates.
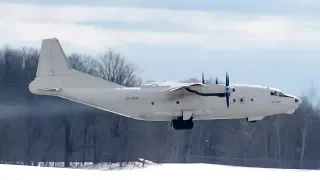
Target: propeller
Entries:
(203, 81)
(203, 78)
(227, 90)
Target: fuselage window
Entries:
(241, 100)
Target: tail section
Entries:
(52, 60)
(54, 72)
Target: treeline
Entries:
(47, 129)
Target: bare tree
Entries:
(84, 63)
(309, 116)
(115, 68)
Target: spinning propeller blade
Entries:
(203, 78)
(227, 99)
(227, 90)
(227, 79)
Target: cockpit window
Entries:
(274, 93)
(277, 93)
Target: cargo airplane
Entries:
(180, 103)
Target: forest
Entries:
(37, 128)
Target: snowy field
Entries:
(152, 171)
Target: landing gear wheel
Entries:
(180, 124)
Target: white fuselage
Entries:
(163, 101)
(152, 103)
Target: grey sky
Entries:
(273, 43)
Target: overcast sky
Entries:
(274, 43)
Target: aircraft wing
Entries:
(181, 90)
(183, 86)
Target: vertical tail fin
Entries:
(52, 60)
(54, 72)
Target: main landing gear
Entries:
(180, 124)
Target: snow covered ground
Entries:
(101, 166)
(154, 172)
